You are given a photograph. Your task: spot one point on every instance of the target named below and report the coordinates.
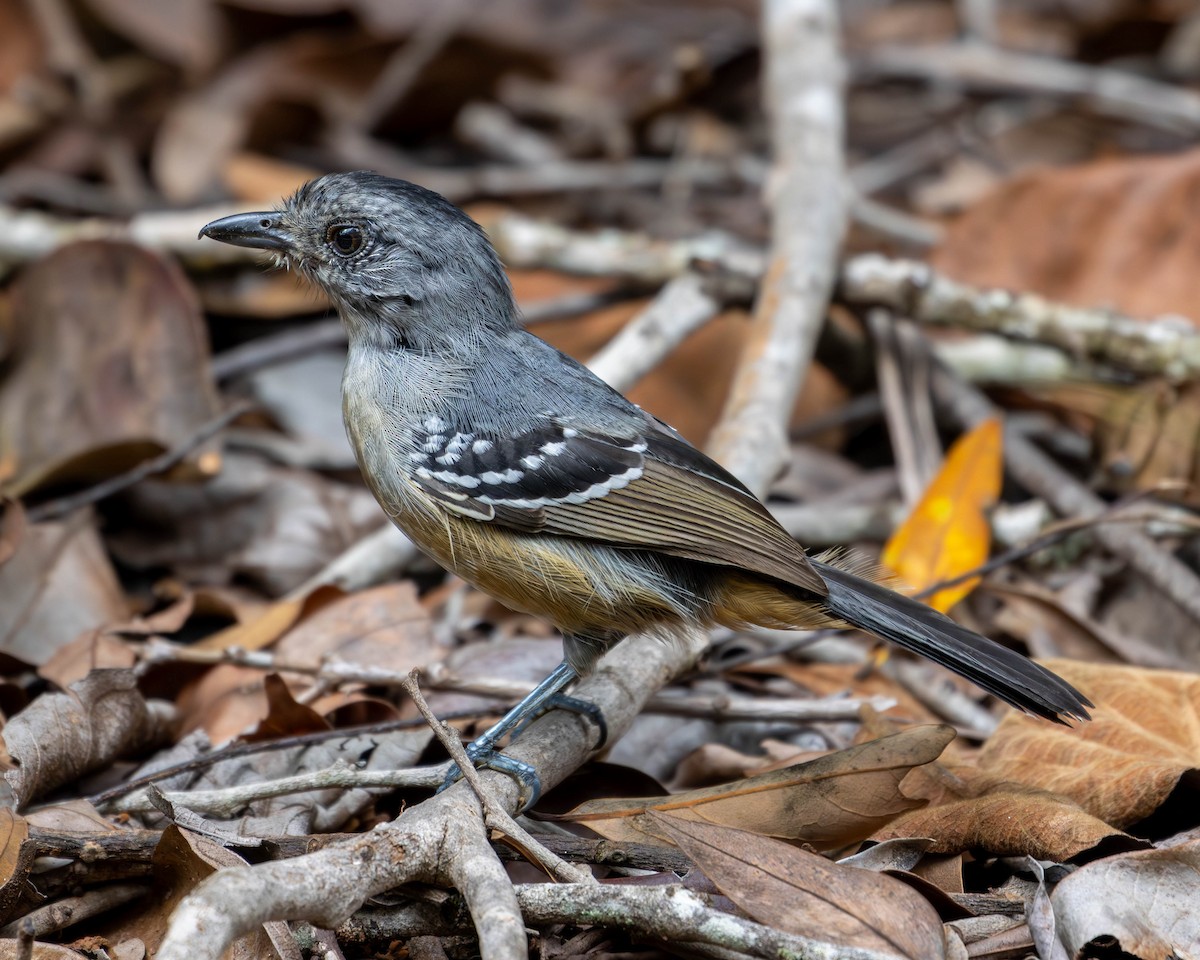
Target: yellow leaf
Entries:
(947, 532)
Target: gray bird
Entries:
(515, 467)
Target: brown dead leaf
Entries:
(90, 651)
(1146, 901)
(1143, 736)
(58, 585)
(271, 624)
(385, 627)
(61, 736)
(1146, 435)
(1007, 820)
(1057, 792)
(947, 533)
(111, 366)
(1118, 232)
(182, 860)
(184, 32)
(285, 717)
(254, 522)
(790, 889)
(1039, 617)
(827, 802)
(16, 857)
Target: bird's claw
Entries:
(486, 755)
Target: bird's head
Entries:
(402, 263)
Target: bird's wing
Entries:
(653, 491)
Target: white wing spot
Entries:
(553, 449)
(570, 432)
(606, 486)
(448, 459)
(532, 462)
(459, 442)
(458, 479)
(507, 476)
(435, 424)
(481, 446)
(434, 444)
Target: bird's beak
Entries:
(263, 231)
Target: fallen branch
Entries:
(807, 201)
(1167, 346)
(668, 914)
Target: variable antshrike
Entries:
(516, 468)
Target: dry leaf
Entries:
(385, 627)
(790, 889)
(1123, 234)
(61, 736)
(58, 585)
(273, 623)
(16, 857)
(1143, 736)
(1007, 820)
(181, 861)
(1146, 435)
(111, 366)
(947, 532)
(827, 802)
(1146, 901)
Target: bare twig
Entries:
(669, 914)
(227, 801)
(62, 913)
(496, 817)
(807, 203)
(53, 509)
(680, 308)
(991, 69)
(1038, 473)
(1167, 346)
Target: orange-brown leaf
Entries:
(827, 802)
(947, 532)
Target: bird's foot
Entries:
(585, 708)
(483, 752)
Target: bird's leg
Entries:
(544, 696)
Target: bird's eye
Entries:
(345, 239)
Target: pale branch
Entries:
(981, 67)
(227, 801)
(525, 242)
(435, 842)
(807, 199)
(1039, 474)
(668, 914)
(494, 815)
(1167, 346)
(681, 307)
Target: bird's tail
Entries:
(1005, 673)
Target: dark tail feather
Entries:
(1005, 673)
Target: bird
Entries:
(516, 468)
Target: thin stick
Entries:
(53, 509)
